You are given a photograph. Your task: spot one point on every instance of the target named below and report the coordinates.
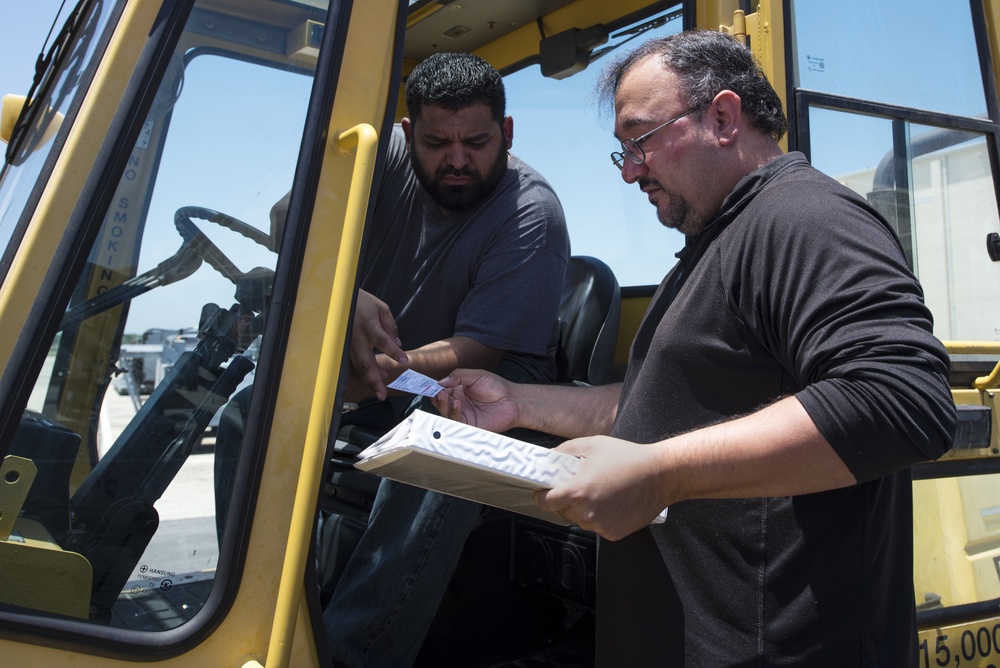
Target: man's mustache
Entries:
(451, 171)
(649, 183)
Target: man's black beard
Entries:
(679, 216)
(460, 198)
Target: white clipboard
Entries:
(443, 455)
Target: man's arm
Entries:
(487, 401)
(622, 486)
(439, 358)
(435, 359)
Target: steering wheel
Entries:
(204, 246)
(188, 258)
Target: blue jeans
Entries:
(389, 593)
(387, 597)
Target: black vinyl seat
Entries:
(589, 312)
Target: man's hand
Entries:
(479, 398)
(374, 331)
(616, 490)
(622, 486)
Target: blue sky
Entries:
(26, 23)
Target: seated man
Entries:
(468, 251)
(466, 255)
(463, 267)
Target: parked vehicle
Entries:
(143, 365)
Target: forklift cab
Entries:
(136, 193)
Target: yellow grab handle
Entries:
(981, 383)
(365, 138)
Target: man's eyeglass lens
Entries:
(632, 149)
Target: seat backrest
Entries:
(588, 322)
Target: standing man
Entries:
(782, 381)
(464, 266)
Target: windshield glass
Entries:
(903, 54)
(157, 350)
(61, 84)
(558, 122)
(929, 177)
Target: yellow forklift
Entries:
(137, 191)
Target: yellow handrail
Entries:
(314, 450)
(988, 382)
(978, 348)
(972, 347)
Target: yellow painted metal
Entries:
(956, 527)
(422, 13)
(16, 477)
(764, 32)
(523, 42)
(991, 399)
(976, 644)
(716, 14)
(989, 381)
(362, 97)
(956, 530)
(10, 109)
(40, 575)
(940, 565)
(328, 267)
(991, 8)
(972, 347)
(739, 27)
(365, 139)
(966, 396)
(632, 311)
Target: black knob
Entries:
(993, 246)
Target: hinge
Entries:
(753, 30)
(739, 27)
(749, 25)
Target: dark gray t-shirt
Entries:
(493, 274)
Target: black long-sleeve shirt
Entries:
(796, 288)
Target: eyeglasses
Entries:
(632, 148)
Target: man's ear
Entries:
(508, 131)
(728, 114)
(407, 129)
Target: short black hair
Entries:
(707, 62)
(455, 80)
